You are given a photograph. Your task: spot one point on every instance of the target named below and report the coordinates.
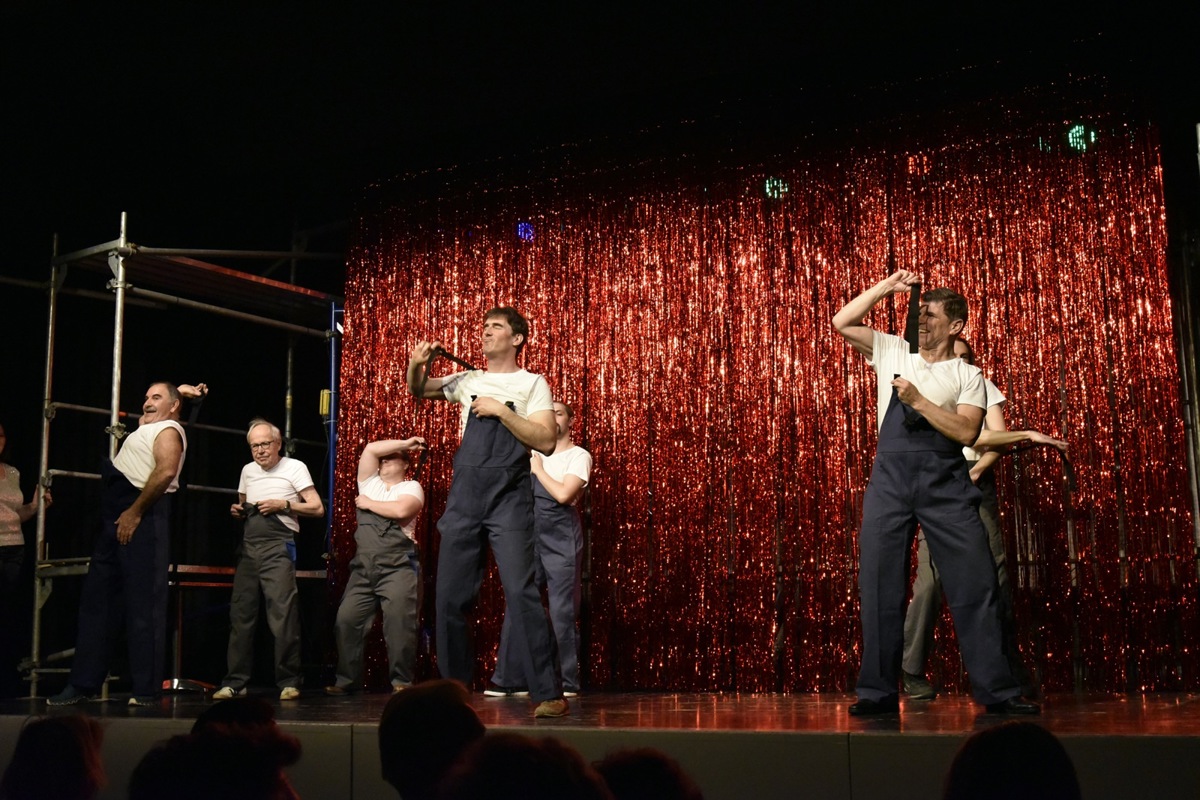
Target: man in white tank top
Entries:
(127, 577)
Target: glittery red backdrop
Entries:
(682, 305)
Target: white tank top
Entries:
(136, 457)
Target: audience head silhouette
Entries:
(422, 732)
(1013, 760)
(56, 757)
(226, 761)
(238, 713)
(508, 766)
(646, 774)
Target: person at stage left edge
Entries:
(274, 490)
(930, 405)
(506, 412)
(385, 572)
(126, 583)
(558, 483)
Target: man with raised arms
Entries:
(930, 405)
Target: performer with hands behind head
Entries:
(385, 571)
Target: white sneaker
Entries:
(228, 693)
(289, 693)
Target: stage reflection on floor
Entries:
(735, 745)
(1126, 715)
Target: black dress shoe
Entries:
(1014, 705)
(865, 708)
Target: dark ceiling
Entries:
(219, 125)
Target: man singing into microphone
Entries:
(931, 405)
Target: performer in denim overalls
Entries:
(930, 404)
(558, 483)
(506, 412)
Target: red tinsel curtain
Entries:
(682, 306)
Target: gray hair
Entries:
(254, 423)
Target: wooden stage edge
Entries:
(734, 745)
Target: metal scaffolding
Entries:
(161, 277)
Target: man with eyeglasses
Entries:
(273, 492)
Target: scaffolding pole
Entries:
(121, 292)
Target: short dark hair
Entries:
(1045, 771)
(422, 732)
(238, 713)
(172, 390)
(515, 321)
(513, 765)
(229, 761)
(953, 303)
(570, 411)
(646, 772)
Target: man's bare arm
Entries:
(310, 504)
(1001, 439)
(565, 491)
(416, 366)
(848, 321)
(368, 462)
(402, 509)
(962, 425)
(538, 432)
(168, 451)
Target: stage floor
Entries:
(736, 745)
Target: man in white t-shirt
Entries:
(926, 604)
(385, 571)
(506, 412)
(126, 583)
(273, 491)
(931, 404)
(558, 483)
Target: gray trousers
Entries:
(925, 607)
(386, 580)
(269, 564)
(558, 551)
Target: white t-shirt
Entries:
(572, 461)
(947, 384)
(284, 481)
(377, 489)
(135, 459)
(994, 398)
(529, 393)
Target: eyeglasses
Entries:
(261, 445)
